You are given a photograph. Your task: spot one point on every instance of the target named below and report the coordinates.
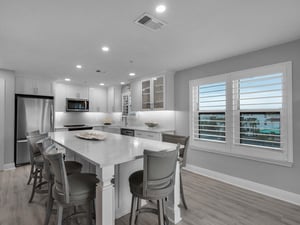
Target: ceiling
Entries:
(49, 38)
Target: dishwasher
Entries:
(127, 132)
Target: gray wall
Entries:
(273, 175)
(9, 78)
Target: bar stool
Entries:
(183, 140)
(73, 190)
(31, 174)
(153, 183)
(37, 164)
(46, 146)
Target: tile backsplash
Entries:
(165, 119)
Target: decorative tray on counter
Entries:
(91, 135)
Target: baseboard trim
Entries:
(9, 166)
(246, 184)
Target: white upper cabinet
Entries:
(63, 91)
(114, 99)
(98, 99)
(30, 86)
(155, 93)
(76, 91)
(60, 94)
(136, 100)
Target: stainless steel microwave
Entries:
(77, 105)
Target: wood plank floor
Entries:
(210, 203)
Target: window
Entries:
(246, 113)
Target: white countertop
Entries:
(141, 128)
(115, 149)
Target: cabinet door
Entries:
(110, 99)
(146, 95)
(158, 92)
(148, 135)
(60, 94)
(43, 87)
(98, 128)
(117, 99)
(76, 91)
(114, 130)
(136, 97)
(98, 99)
(24, 86)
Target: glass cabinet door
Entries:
(125, 104)
(146, 94)
(158, 92)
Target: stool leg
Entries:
(90, 212)
(133, 210)
(160, 212)
(31, 174)
(166, 219)
(182, 193)
(138, 208)
(34, 185)
(49, 205)
(60, 214)
(41, 177)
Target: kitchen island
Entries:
(115, 159)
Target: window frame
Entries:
(232, 117)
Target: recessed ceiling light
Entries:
(122, 83)
(160, 8)
(67, 79)
(102, 84)
(105, 49)
(132, 74)
(78, 66)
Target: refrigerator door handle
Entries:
(52, 117)
(22, 141)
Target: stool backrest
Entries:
(159, 172)
(33, 149)
(46, 146)
(60, 175)
(33, 133)
(183, 140)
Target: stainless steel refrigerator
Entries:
(32, 113)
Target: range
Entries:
(72, 127)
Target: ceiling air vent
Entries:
(149, 22)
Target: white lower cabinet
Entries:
(61, 129)
(114, 130)
(148, 135)
(98, 128)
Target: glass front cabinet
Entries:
(153, 92)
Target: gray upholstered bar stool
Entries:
(182, 140)
(73, 190)
(37, 164)
(154, 183)
(47, 146)
(31, 174)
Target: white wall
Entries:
(272, 175)
(9, 115)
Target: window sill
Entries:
(279, 163)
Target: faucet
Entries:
(124, 120)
